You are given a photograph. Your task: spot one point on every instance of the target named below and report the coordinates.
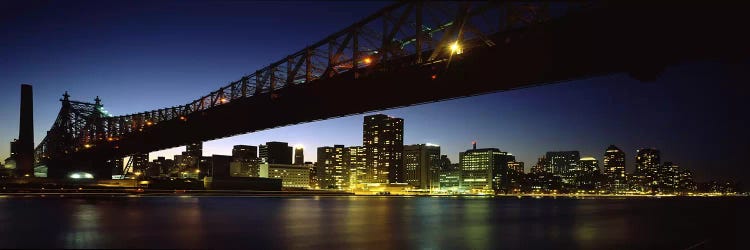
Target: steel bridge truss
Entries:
(402, 34)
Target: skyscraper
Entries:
(245, 161)
(647, 163)
(383, 140)
(25, 144)
(332, 172)
(586, 174)
(194, 149)
(614, 169)
(420, 162)
(299, 155)
(244, 152)
(276, 153)
(140, 162)
(354, 160)
(484, 170)
(563, 164)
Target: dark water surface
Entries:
(374, 223)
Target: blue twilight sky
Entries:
(146, 55)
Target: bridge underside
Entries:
(640, 40)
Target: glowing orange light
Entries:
(110, 139)
(87, 146)
(368, 60)
(183, 118)
(433, 77)
(223, 100)
(149, 123)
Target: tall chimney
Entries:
(25, 159)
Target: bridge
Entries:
(405, 54)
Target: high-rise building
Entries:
(139, 161)
(614, 170)
(516, 166)
(313, 175)
(332, 172)
(450, 177)
(420, 162)
(244, 152)
(299, 155)
(484, 170)
(25, 145)
(354, 160)
(647, 162)
(245, 161)
(383, 140)
(668, 177)
(586, 174)
(276, 153)
(563, 163)
(194, 149)
(541, 166)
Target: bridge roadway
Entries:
(639, 39)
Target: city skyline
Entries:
(672, 113)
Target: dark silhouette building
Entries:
(299, 156)
(383, 140)
(276, 153)
(194, 149)
(24, 147)
(244, 152)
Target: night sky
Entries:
(141, 55)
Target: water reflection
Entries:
(363, 222)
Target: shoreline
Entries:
(311, 193)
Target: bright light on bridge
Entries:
(368, 60)
(456, 48)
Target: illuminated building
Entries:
(668, 178)
(355, 161)
(647, 163)
(516, 166)
(276, 153)
(331, 168)
(450, 178)
(292, 176)
(299, 155)
(541, 166)
(313, 175)
(383, 140)
(484, 170)
(563, 164)
(420, 161)
(586, 174)
(614, 170)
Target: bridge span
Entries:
(406, 54)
